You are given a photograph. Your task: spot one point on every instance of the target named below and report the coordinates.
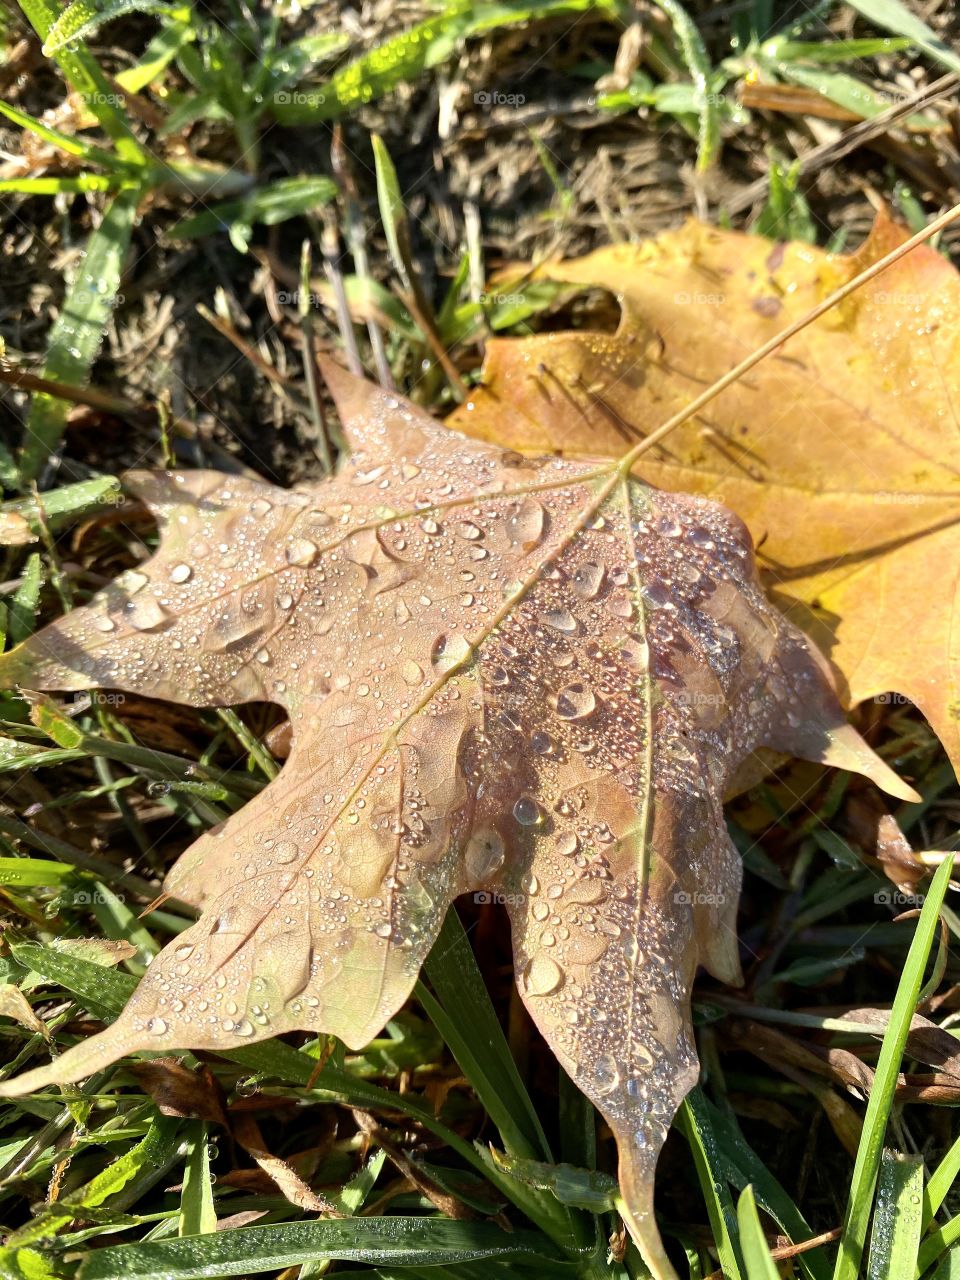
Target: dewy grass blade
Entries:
(70, 143)
(756, 1255)
(85, 76)
(895, 1239)
(742, 1167)
(198, 1214)
(476, 1040)
(867, 1164)
(84, 18)
(405, 1241)
(20, 519)
(896, 17)
(693, 1120)
(695, 56)
(405, 56)
(75, 338)
(23, 606)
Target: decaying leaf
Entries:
(14, 1004)
(841, 453)
(527, 676)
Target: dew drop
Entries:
(484, 854)
(527, 812)
(560, 620)
(146, 613)
(181, 573)
(606, 1074)
(587, 580)
(575, 702)
(449, 649)
(543, 976)
(525, 523)
(302, 552)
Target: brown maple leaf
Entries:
(532, 677)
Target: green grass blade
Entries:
(756, 1255)
(393, 213)
(579, 1188)
(867, 1164)
(82, 72)
(405, 56)
(939, 1183)
(742, 1167)
(693, 1120)
(198, 1216)
(23, 606)
(937, 1243)
(285, 199)
(30, 872)
(70, 143)
(156, 1149)
(398, 1241)
(698, 64)
(57, 506)
(84, 17)
(75, 338)
(949, 1268)
(845, 90)
(895, 1239)
(86, 182)
(828, 52)
(896, 17)
(157, 56)
(464, 1015)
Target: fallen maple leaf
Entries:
(528, 676)
(841, 453)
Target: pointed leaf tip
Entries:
(376, 421)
